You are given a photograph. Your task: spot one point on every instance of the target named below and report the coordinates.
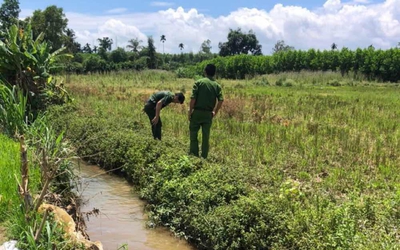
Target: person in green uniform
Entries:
(153, 106)
(206, 100)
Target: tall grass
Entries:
(13, 110)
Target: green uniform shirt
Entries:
(166, 97)
(206, 91)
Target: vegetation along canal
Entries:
(121, 223)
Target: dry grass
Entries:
(2, 235)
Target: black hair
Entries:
(210, 70)
(181, 97)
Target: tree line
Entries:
(239, 56)
(371, 63)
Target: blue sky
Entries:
(209, 7)
(302, 24)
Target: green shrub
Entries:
(187, 72)
(334, 83)
(261, 82)
(289, 83)
(280, 82)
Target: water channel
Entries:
(121, 223)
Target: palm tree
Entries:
(69, 41)
(181, 46)
(95, 49)
(105, 43)
(87, 48)
(163, 39)
(134, 45)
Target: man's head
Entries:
(179, 98)
(209, 70)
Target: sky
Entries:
(301, 24)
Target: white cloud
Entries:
(117, 11)
(346, 24)
(161, 4)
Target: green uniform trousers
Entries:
(199, 119)
(155, 129)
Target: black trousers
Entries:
(150, 110)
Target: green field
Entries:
(310, 164)
(9, 172)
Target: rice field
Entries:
(323, 149)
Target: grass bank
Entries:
(292, 166)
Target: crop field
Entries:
(297, 160)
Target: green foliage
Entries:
(28, 63)
(9, 12)
(141, 63)
(334, 83)
(382, 65)
(281, 46)
(69, 42)
(184, 73)
(118, 55)
(52, 23)
(240, 43)
(94, 63)
(289, 83)
(52, 238)
(151, 54)
(134, 45)
(254, 222)
(75, 67)
(261, 82)
(206, 47)
(87, 49)
(105, 43)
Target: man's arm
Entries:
(191, 107)
(158, 109)
(193, 99)
(217, 107)
(220, 99)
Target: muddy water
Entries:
(121, 220)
